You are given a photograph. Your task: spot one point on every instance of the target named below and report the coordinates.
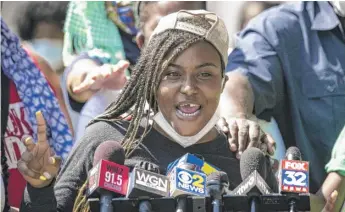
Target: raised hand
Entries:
(106, 76)
(38, 164)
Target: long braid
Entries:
(5, 173)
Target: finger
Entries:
(243, 130)
(46, 176)
(55, 160)
(29, 143)
(84, 86)
(271, 144)
(24, 170)
(41, 128)
(105, 71)
(53, 167)
(52, 152)
(223, 125)
(233, 140)
(254, 134)
(27, 156)
(122, 65)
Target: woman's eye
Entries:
(172, 75)
(205, 75)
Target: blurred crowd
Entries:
(71, 60)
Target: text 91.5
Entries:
(113, 178)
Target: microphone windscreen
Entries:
(187, 166)
(148, 166)
(110, 151)
(293, 153)
(253, 159)
(218, 176)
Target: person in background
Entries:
(150, 12)
(249, 10)
(99, 48)
(24, 92)
(40, 26)
(290, 61)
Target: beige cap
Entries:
(217, 34)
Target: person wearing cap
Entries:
(174, 93)
(289, 63)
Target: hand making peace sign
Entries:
(39, 164)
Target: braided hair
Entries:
(142, 88)
(145, 80)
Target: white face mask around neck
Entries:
(185, 141)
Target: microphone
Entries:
(184, 181)
(146, 182)
(200, 164)
(108, 175)
(253, 172)
(293, 153)
(217, 183)
(294, 177)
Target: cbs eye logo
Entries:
(186, 178)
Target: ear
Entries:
(140, 39)
(225, 79)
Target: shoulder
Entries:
(284, 15)
(103, 130)
(94, 135)
(277, 22)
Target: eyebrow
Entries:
(198, 66)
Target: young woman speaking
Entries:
(173, 98)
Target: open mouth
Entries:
(188, 109)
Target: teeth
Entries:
(189, 105)
(188, 114)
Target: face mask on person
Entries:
(185, 141)
(339, 7)
(50, 50)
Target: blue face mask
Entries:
(50, 50)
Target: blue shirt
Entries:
(294, 57)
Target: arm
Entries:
(336, 172)
(237, 98)
(87, 77)
(334, 181)
(255, 85)
(60, 196)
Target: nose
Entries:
(189, 87)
